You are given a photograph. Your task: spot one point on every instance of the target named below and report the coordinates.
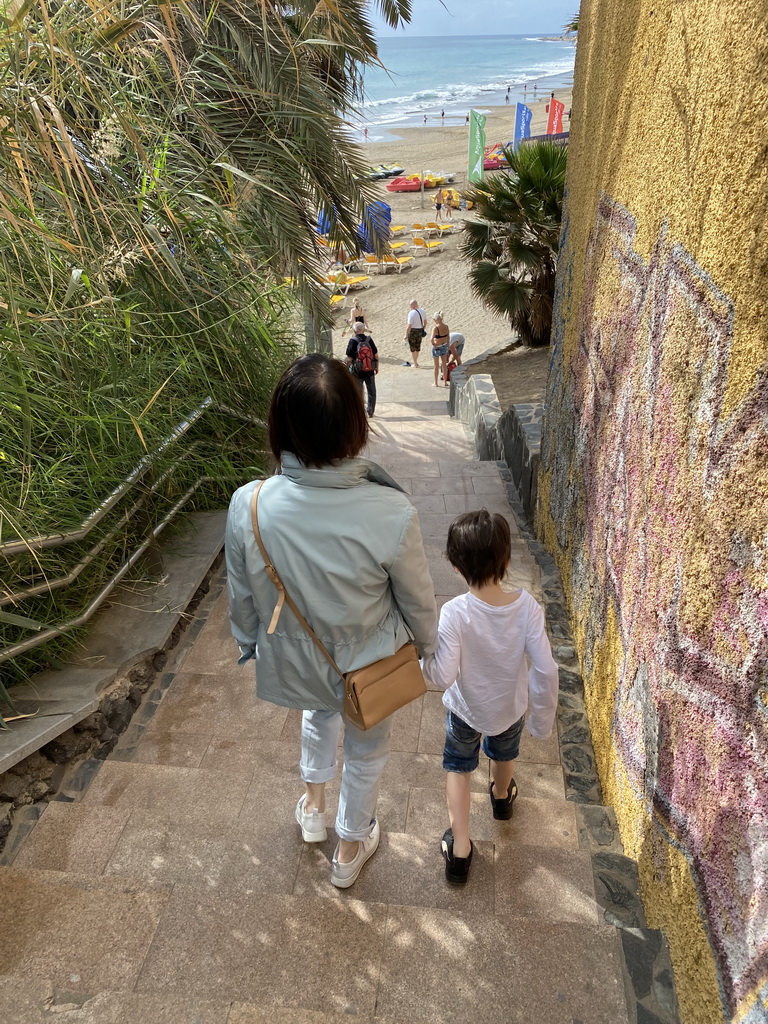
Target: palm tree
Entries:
(513, 248)
(572, 25)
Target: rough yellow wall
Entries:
(654, 488)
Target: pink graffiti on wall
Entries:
(666, 472)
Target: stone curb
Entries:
(513, 435)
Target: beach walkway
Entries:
(170, 885)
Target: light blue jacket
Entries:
(346, 542)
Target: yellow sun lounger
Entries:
(422, 229)
(343, 282)
(420, 244)
(396, 262)
(439, 229)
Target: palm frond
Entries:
(513, 249)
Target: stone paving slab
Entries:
(310, 952)
(81, 936)
(247, 1013)
(220, 703)
(498, 972)
(72, 837)
(166, 746)
(545, 883)
(178, 793)
(27, 1001)
(257, 855)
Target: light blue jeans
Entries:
(365, 755)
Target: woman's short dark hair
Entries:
(479, 546)
(317, 412)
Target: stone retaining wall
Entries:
(513, 435)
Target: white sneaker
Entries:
(312, 825)
(344, 875)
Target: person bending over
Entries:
(455, 347)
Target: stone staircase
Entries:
(170, 883)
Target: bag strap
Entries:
(283, 596)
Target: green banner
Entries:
(476, 171)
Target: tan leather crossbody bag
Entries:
(371, 693)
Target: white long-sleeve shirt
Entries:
(481, 664)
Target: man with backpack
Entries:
(362, 358)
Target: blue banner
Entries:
(522, 123)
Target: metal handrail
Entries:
(65, 627)
(47, 586)
(19, 546)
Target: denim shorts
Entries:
(462, 744)
(440, 350)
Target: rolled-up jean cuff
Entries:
(352, 837)
(318, 775)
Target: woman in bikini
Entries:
(357, 315)
(440, 340)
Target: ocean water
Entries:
(429, 75)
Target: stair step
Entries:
(83, 934)
(176, 793)
(319, 954)
(31, 1001)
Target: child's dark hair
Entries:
(479, 546)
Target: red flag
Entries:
(555, 122)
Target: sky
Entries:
(484, 17)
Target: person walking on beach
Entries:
(439, 199)
(362, 357)
(448, 204)
(487, 639)
(525, 92)
(425, 119)
(357, 313)
(346, 544)
(415, 330)
(442, 116)
(440, 336)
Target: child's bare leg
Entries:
(315, 798)
(501, 773)
(458, 795)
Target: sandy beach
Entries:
(438, 281)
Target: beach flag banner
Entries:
(522, 124)
(476, 170)
(555, 122)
